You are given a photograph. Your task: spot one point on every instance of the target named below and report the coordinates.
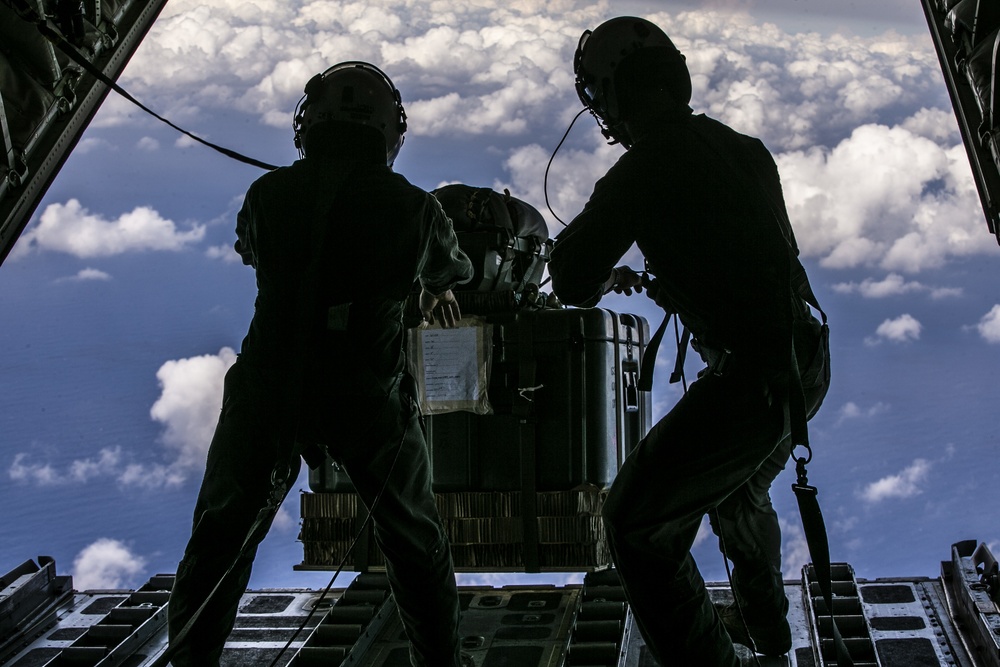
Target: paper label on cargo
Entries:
(451, 371)
(452, 366)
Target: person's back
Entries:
(336, 232)
(337, 241)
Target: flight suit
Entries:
(337, 245)
(721, 261)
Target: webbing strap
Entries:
(819, 549)
(524, 410)
(645, 382)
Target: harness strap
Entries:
(645, 382)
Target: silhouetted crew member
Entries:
(704, 205)
(337, 240)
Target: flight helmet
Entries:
(652, 62)
(352, 92)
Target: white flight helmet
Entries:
(352, 92)
(596, 62)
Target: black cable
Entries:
(71, 51)
(545, 180)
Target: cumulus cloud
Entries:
(794, 549)
(106, 463)
(23, 470)
(989, 325)
(147, 144)
(883, 197)
(72, 229)
(502, 67)
(862, 130)
(852, 410)
(904, 484)
(902, 329)
(188, 409)
(894, 285)
(106, 564)
(87, 274)
(223, 252)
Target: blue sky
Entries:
(123, 300)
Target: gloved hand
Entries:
(623, 280)
(442, 307)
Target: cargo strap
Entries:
(649, 354)
(523, 409)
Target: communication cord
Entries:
(545, 180)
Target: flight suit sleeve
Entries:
(245, 231)
(443, 265)
(586, 252)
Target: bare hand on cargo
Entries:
(442, 307)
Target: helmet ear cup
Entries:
(314, 85)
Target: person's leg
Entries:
(409, 531)
(750, 536)
(235, 488)
(704, 449)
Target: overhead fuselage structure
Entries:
(50, 56)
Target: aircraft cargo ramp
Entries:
(952, 620)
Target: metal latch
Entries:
(630, 385)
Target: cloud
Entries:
(105, 464)
(883, 197)
(989, 325)
(89, 144)
(506, 68)
(903, 329)
(188, 408)
(21, 470)
(72, 229)
(87, 274)
(224, 252)
(148, 144)
(794, 549)
(873, 168)
(851, 410)
(894, 285)
(106, 564)
(905, 484)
